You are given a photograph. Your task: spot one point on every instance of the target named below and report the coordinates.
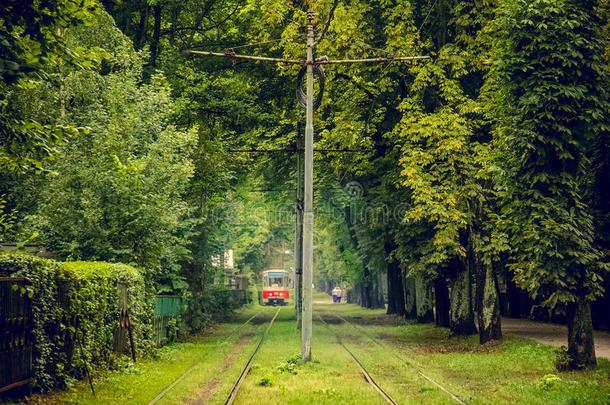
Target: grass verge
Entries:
(514, 371)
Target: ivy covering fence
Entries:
(76, 312)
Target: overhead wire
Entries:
(353, 87)
(327, 25)
(255, 44)
(373, 48)
(426, 17)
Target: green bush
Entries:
(49, 358)
(214, 304)
(266, 381)
(79, 303)
(563, 360)
(96, 305)
(548, 381)
(291, 365)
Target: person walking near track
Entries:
(336, 294)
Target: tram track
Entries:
(194, 366)
(453, 396)
(246, 369)
(365, 373)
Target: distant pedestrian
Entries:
(336, 294)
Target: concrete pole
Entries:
(306, 329)
(298, 236)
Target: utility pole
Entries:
(306, 328)
(298, 235)
(307, 221)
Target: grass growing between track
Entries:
(509, 372)
(331, 378)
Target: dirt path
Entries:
(552, 334)
(209, 389)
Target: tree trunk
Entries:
(488, 307)
(441, 302)
(154, 46)
(423, 294)
(409, 291)
(512, 294)
(580, 335)
(356, 295)
(375, 292)
(142, 26)
(396, 296)
(364, 297)
(461, 314)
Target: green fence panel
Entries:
(167, 308)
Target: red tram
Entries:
(275, 287)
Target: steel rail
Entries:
(187, 372)
(242, 325)
(366, 374)
(246, 369)
(407, 362)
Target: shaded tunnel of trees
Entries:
(456, 190)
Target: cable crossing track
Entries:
(246, 369)
(366, 374)
(407, 362)
(187, 372)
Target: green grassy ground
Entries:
(391, 349)
(141, 382)
(510, 372)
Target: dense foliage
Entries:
(485, 165)
(76, 304)
(31, 44)
(549, 131)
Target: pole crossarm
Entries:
(303, 62)
(304, 205)
(298, 150)
(250, 57)
(369, 60)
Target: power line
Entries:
(426, 18)
(371, 60)
(255, 44)
(307, 249)
(327, 26)
(230, 54)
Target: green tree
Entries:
(118, 192)
(445, 156)
(551, 103)
(32, 40)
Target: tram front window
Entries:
(275, 281)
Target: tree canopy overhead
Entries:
(485, 165)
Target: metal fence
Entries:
(15, 333)
(168, 309)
